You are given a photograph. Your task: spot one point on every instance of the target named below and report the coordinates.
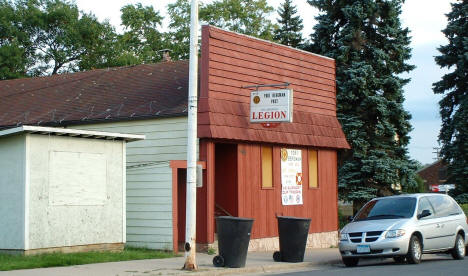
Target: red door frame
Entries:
(175, 165)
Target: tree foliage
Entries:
(248, 17)
(50, 37)
(178, 37)
(371, 48)
(141, 40)
(454, 104)
(42, 37)
(16, 53)
(290, 26)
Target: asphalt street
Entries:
(431, 265)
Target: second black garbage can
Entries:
(233, 241)
(293, 232)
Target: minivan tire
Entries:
(414, 250)
(458, 251)
(350, 262)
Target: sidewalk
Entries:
(257, 262)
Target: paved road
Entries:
(431, 265)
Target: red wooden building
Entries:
(242, 160)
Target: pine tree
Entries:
(370, 48)
(290, 26)
(454, 104)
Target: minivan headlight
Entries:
(395, 233)
(343, 237)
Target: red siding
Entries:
(320, 204)
(231, 61)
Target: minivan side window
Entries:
(444, 206)
(424, 204)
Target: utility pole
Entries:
(191, 202)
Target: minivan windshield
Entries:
(387, 208)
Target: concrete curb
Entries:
(213, 271)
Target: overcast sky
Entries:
(425, 23)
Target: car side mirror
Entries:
(350, 218)
(424, 213)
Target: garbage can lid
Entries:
(233, 218)
(293, 218)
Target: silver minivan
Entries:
(404, 227)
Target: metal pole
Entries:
(191, 202)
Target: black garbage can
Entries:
(293, 233)
(233, 241)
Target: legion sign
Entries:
(271, 106)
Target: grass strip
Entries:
(12, 262)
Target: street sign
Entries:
(442, 188)
(271, 106)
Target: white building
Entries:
(62, 189)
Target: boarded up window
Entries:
(77, 178)
(267, 167)
(313, 169)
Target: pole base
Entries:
(190, 264)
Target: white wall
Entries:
(75, 191)
(12, 179)
(149, 177)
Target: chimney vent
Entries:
(166, 55)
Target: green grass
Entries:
(12, 262)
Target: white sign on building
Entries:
(271, 106)
(291, 176)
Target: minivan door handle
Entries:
(437, 225)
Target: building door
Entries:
(226, 190)
(181, 199)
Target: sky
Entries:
(425, 24)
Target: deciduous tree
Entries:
(16, 53)
(141, 40)
(248, 17)
(51, 36)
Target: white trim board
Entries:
(72, 133)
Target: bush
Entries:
(462, 198)
(342, 220)
(465, 208)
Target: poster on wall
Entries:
(291, 176)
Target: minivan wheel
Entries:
(458, 251)
(350, 262)
(414, 251)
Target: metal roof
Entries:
(72, 132)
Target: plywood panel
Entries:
(267, 167)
